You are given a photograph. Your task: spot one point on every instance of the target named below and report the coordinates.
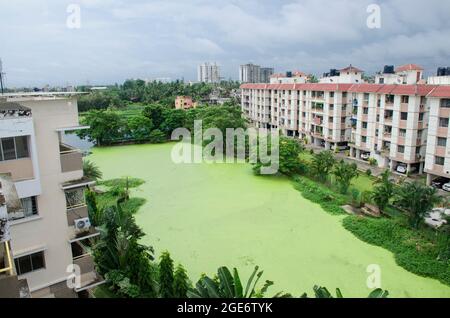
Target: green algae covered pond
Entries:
(209, 215)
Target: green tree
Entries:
(91, 170)
(156, 113)
(140, 127)
(105, 126)
(383, 190)
(322, 164)
(343, 174)
(166, 279)
(417, 199)
(157, 137)
(173, 118)
(289, 162)
(95, 214)
(181, 282)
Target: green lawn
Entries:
(210, 215)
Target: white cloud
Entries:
(159, 38)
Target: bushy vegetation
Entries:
(139, 91)
(413, 250)
(154, 123)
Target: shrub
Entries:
(311, 151)
(157, 137)
(373, 162)
(369, 172)
(328, 200)
(412, 251)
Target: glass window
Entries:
(9, 151)
(29, 206)
(443, 122)
(421, 116)
(401, 149)
(22, 147)
(405, 99)
(364, 125)
(402, 133)
(404, 116)
(364, 139)
(445, 103)
(365, 110)
(442, 142)
(29, 263)
(439, 161)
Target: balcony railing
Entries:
(71, 158)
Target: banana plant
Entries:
(322, 292)
(227, 285)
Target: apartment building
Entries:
(208, 73)
(399, 125)
(251, 73)
(51, 231)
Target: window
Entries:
(445, 103)
(442, 142)
(366, 97)
(29, 206)
(343, 120)
(364, 139)
(401, 149)
(443, 122)
(29, 263)
(421, 116)
(75, 198)
(405, 99)
(14, 148)
(331, 94)
(402, 133)
(365, 110)
(404, 116)
(381, 80)
(439, 161)
(364, 125)
(390, 99)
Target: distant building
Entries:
(349, 74)
(184, 102)
(409, 74)
(208, 73)
(249, 73)
(266, 73)
(296, 77)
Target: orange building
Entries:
(184, 102)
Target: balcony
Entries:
(84, 260)
(20, 169)
(71, 158)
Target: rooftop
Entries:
(409, 67)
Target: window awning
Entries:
(64, 129)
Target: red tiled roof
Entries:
(409, 67)
(418, 90)
(440, 92)
(351, 69)
(276, 75)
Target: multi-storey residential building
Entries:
(250, 73)
(208, 73)
(404, 125)
(296, 77)
(266, 73)
(51, 231)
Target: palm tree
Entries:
(344, 173)
(418, 200)
(383, 191)
(322, 164)
(91, 170)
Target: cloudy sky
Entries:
(120, 39)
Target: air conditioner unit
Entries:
(82, 224)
